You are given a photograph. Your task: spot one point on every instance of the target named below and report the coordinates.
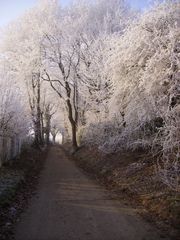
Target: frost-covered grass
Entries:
(9, 181)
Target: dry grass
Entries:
(132, 175)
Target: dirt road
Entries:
(70, 206)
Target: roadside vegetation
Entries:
(18, 182)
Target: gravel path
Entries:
(70, 206)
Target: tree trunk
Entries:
(54, 139)
(36, 110)
(74, 136)
(48, 123)
(62, 139)
(40, 141)
(73, 125)
(37, 132)
(42, 129)
(47, 135)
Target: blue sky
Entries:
(11, 9)
(139, 4)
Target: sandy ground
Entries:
(70, 206)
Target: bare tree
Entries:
(61, 60)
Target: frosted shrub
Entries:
(169, 163)
(144, 67)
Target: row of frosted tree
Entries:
(106, 74)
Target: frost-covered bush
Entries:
(96, 134)
(144, 67)
(169, 163)
(140, 65)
